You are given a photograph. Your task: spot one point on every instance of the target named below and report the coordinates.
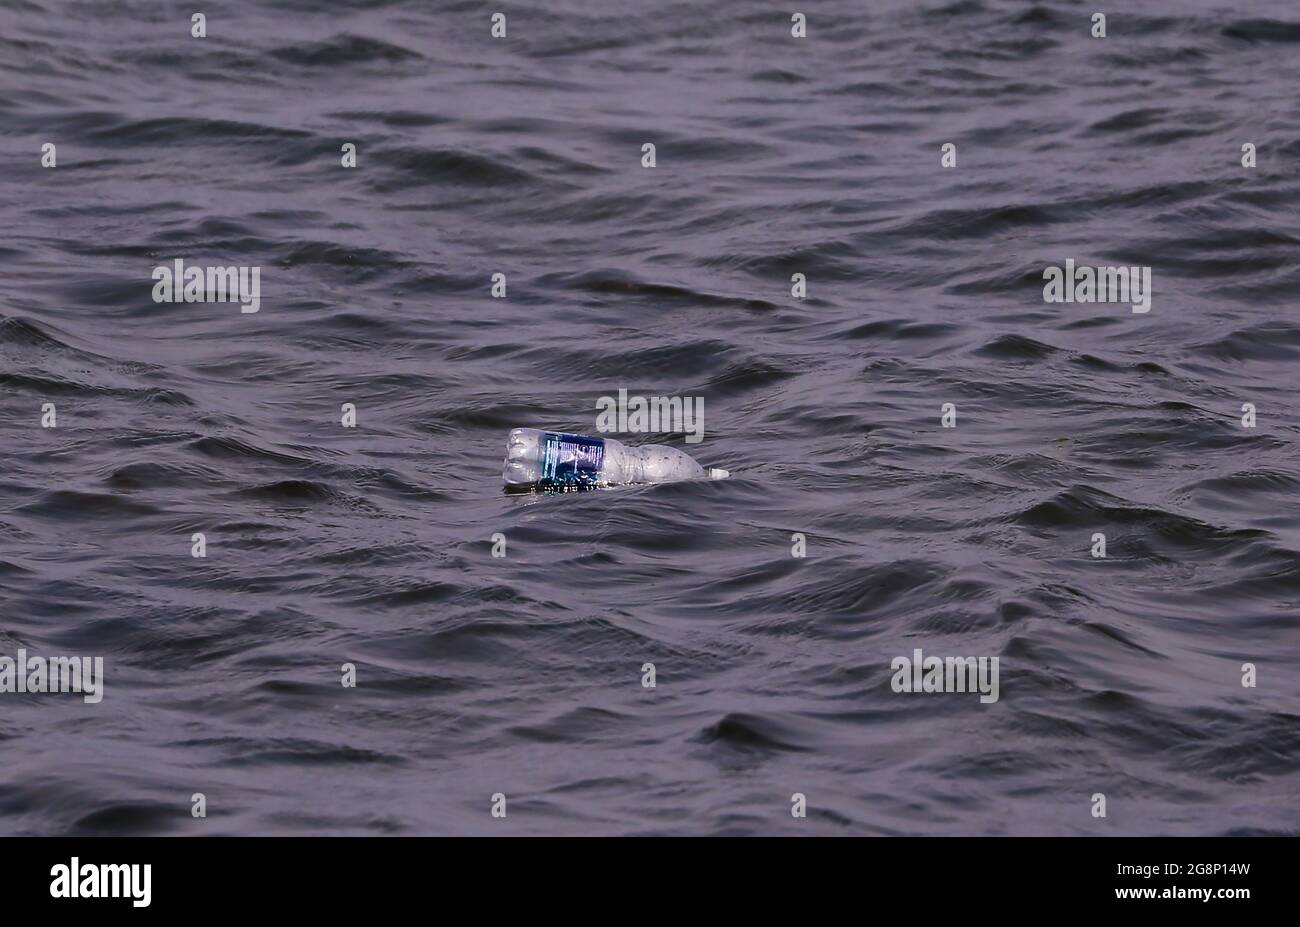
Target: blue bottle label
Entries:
(570, 461)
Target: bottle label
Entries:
(570, 460)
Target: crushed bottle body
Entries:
(557, 461)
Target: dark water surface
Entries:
(775, 156)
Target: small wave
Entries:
(343, 50)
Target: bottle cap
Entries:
(717, 473)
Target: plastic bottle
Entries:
(537, 459)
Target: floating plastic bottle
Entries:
(551, 460)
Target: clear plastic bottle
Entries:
(537, 459)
